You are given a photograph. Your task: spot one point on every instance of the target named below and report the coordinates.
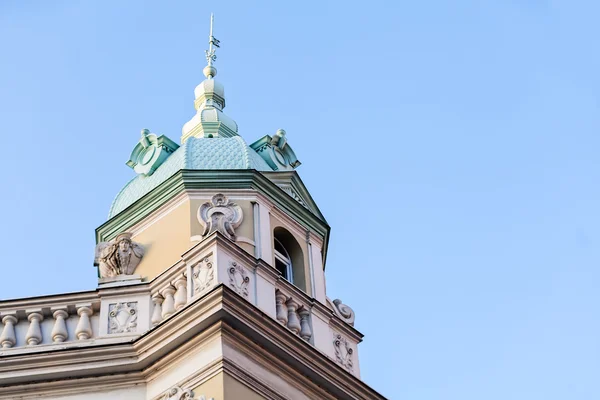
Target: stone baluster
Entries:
(305, 331)
(84, 326)
(8, 338)
(181, 292)
(157, 300)
(280, 308)
(59, 331)
(34, 333)
(293, 321)
(168, 307)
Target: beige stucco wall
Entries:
(275, 223)
(235, 390)
(225, 387)
(165, 241)
(213, 387)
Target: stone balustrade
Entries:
(169, 296)
(126, 306)
(46, 322)
(327, 327)
(293, 314)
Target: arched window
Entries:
(288, 257)
(283, 262)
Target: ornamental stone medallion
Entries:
(343, 351)
(120, 256)
(122, 317)
(220, 215)
(276, 151)
(203, 275)
(238, 279)
(150, 152)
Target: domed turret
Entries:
(209, 121)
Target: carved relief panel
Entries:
(343, 352)
(122, 317)
(238, 278)
(203, 275)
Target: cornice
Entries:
(141, 208)
(293, 178)
(159, 213)
(220, 312)
(245, 377)
(78, 386)
(214, 179)
(251, 328)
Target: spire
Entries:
(213, 43)
(209, 121)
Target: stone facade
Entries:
(211, 284)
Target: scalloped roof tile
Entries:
(196, 153)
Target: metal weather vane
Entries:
(213, 43)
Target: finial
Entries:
(144, 140)
(209, 70)
(279, 139)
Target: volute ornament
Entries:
(343, 311)
(177, 393)
(120, 256)
(220, 215)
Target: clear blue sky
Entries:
(452, 146)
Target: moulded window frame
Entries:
(285, 259)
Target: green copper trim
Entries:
(195, 154)
(310, 217)
(150, 152)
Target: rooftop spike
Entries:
(213, 43)
(209, 121)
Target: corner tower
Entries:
(211, 282)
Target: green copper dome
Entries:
(209, 141)
(196, 153)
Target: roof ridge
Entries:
(245, 148)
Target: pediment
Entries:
(291, 184)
